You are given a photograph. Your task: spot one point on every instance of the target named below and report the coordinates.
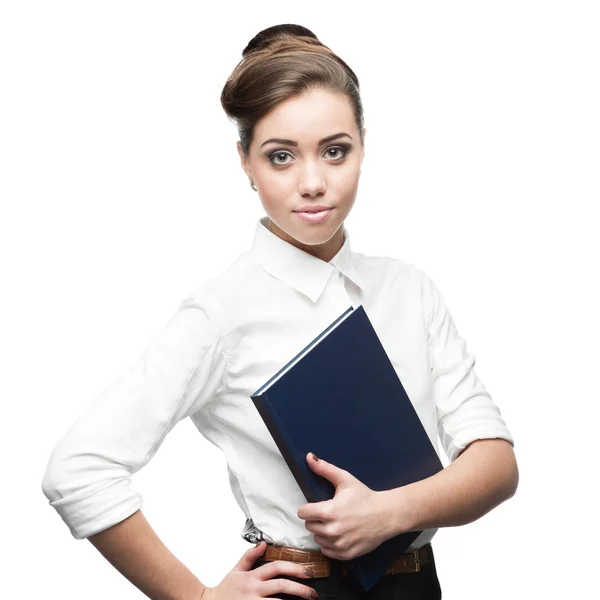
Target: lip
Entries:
(314, 217)
(312, 208)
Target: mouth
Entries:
(312, 216)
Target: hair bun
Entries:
(278, 37)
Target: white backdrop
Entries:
(122, 191)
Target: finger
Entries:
(316, 527)
(286, 586)
(327, 550)
(281, 567)
(251, 555)
(326, 541)
(314, 511)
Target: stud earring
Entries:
(253, 186)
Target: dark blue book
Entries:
(341, 398)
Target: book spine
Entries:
(311, 343)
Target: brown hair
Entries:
(282, 62)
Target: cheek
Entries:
(271, 180)
(275, 188)
(348, 174)
(346, 181)
(274, 196)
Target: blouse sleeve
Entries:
(465, 409)
(88, 475)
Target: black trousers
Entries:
(422, 585)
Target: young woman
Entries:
(300, 121)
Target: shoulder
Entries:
(222, 292)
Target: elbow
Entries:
(67, 474)
(60, 471)
(50, 480)
(54, 479)
(511, 478)
(509, 468)
(88, 501)
(514, 479)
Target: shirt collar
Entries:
(299, 269)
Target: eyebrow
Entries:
(329, 138)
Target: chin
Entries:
(312, 235)
(309, 234)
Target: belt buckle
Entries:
(416, 557)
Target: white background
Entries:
(122, 191)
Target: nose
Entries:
(312, 180)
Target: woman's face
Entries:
(299, 169)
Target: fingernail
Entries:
(315, 457)
(309, 572)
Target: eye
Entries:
(336, 150)
(279, 154)
(343, 149)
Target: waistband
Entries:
(319, 565)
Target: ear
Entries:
(243, 159)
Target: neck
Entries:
(325, 251)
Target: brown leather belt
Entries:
(319, 565)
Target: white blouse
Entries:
(224, 341)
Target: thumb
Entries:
(326, 469)
(251, 556)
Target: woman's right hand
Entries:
(245, 583)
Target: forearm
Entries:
(481, 478)
(135, 550)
